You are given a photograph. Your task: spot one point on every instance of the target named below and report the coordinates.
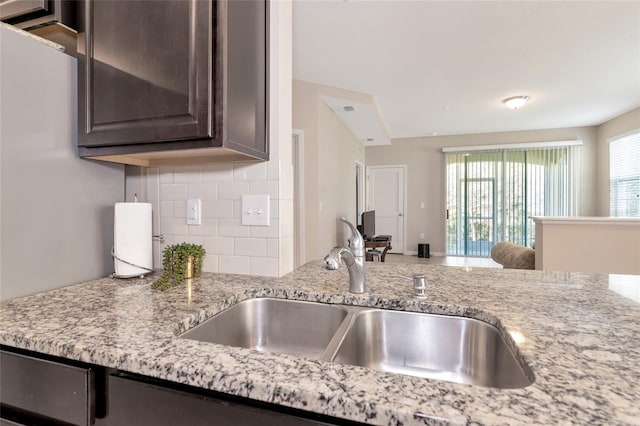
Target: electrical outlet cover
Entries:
(194, 211)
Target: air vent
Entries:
(349, 108)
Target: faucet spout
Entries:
(352, 256)
(356, 242)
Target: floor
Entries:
(483, 262)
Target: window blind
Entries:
(624, 176)
(492, 194)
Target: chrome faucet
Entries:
(353, 256)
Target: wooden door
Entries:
(387, 198)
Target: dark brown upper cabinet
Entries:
(172, 82)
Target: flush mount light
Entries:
(515, 102)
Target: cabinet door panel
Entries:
(133, 402)
(146, 73)
(44, 389)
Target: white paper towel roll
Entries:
(132, 239)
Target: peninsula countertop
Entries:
(579, 333)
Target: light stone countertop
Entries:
(579, 333)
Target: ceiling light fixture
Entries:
(515, 102)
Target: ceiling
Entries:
(435, 67)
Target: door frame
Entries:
(369, 188)
(361, 176)
(297, 159)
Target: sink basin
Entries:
(273, 325)
(455, 349)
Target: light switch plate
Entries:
(194, 211)
(255, 210)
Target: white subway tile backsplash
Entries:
(203, 190)
(166, 209)
(173, 226)
(251, 247)
(178, 239)
(217, 172)
(166, 175)
(192, 239)
(232, 190)
(217, 208)
(231, 247)
(210, 263)
(269, 187)
(264, 266)
(237, 209)
(272, 247)
(218, 245)
(249, 171)
(234, 265)
(273, 170)
(173, 192)
(157, 254)
(274, 209)
(187, 174)
(180, 209)
(233, 228)
(155, 217)
(153, 185)
(270, 231)
(208, 227)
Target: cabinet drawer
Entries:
(133, 402)
(46, 388)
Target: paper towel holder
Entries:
(114, 275)
(159, 237)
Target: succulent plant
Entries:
(174, 264)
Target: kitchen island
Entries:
(578, 333)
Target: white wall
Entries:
(331, 152)
(231, 247)
(612, 128)
(426, 174)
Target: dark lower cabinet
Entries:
(37, 391)
(40, 390)
(171, 81)
(136, 402)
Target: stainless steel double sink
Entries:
(455, 349)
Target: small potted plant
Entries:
(179, 262)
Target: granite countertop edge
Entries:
(568, 328)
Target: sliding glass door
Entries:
(491, 195)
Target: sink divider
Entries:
(333, 346)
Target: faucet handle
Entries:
(332, 260)
(356, 242)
